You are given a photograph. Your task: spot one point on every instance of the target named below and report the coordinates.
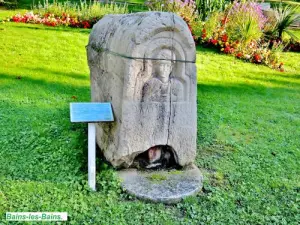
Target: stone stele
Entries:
(143, 63)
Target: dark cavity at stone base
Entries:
(162, 186)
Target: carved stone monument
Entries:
(144, 64)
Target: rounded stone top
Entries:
(141, 34)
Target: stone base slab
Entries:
(162, 186)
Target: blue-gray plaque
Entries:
(91, 112)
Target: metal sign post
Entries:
(92, 155)
(91, 113)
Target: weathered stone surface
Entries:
(162, 186)
(154, 101)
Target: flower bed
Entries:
(69, 14)
(239, 32)
(256, 51)
(53, 21)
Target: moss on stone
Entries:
(157, 177)
(175, 172)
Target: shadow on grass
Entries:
(250, 90)
(53, 87)
(277, 80)
(73, 75)
(208, 49)
(293, 76)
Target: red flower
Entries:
(86, 24)
(214, 41)
(280, 67)
(239, 55)
(224, 20)
(224, 38)
(16, 19)
(227, 49)
(257, 58)
(203, 33)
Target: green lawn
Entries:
(248, 137)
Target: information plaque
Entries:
(91, 112)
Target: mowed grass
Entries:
(248, 138)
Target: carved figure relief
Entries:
(161, 87)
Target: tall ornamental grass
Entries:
(206, 7)
(244, 22)
(82, 11)
(201, 8)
